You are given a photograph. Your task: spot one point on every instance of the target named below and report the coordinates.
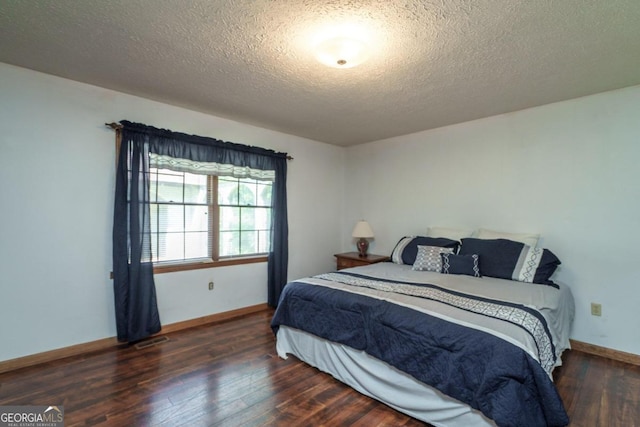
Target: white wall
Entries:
(56, 194)
(569, 171)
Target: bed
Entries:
(448, 349)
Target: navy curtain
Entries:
(279, 252)
(136, 307)
(134, 289)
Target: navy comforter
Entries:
(487, 373)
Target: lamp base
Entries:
(363, 245)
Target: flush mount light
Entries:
(342, 52)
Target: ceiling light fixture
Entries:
(342, 52)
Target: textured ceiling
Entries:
(433, 63)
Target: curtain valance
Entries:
(161, 161)
(200, 148)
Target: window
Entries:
(198, 222)
(207, 218)
(245, 216)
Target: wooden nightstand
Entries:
(352, 259)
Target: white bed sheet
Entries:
(378, 380)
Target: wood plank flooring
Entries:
(228, 374)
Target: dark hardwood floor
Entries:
(228, 374)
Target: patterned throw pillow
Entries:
(461, 264)
(428, 258)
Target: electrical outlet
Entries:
(211, 285)
(596, 309)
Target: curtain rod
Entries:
(118, 126)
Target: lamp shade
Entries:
(362, 230)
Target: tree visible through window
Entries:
(245, 216)
(207, 217)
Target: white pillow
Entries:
(449, 233)
(529, 239)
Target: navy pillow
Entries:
(506, 259)
(460, 264)
(406, 249)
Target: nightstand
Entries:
(352, 259)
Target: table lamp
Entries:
(362, 231)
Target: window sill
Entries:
(170, 268)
